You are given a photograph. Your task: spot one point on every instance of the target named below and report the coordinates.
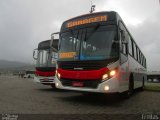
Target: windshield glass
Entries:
(46, 59)
(94, 43)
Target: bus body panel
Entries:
(113, 84)
(138, 71)
(116, 84)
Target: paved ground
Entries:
(19, 95)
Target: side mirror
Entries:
(35, 54)
(53, 35)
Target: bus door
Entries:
(124, 61)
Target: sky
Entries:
(25, 23)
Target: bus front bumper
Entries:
(108, 86)
(44, 80)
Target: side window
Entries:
(124, 49)
(142, 60)
(137, 54)
(130, 46)
(140, 56)
(135, 51)
(145, 64)
(123, 45)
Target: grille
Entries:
(86, 83)
(86, 65)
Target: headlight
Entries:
(57, 84)
(105, 77)
(58, 75)
(106, 88)
(112, 73)
(109, 75)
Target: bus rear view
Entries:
(91, 55)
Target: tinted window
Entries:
(130, 46)
(140, 56)
(135, 51)
(137, 54)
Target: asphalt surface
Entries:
(23, 96)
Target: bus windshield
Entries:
(46, 58)
(93, 43)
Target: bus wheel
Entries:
(130, 90)
(131, 85)
(141, 88)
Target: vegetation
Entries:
(152, 86)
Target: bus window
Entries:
(135, 51)
(145, 64)
(124, 49)
(137, 54)
(142, 60)
(130, 46)
(140, 57)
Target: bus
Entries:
(46, 56)
(97, 53)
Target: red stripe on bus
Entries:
(40, 73)
(82, 74)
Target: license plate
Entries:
(45, 79)
(77, 84)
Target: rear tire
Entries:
(130, 90)
(142, 88)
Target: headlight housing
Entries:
(109, 74)
(58, 75)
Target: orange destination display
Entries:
(67, 55)
(87, 21)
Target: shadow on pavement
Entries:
(95, 99)
(51, 90)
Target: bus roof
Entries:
(46, 44)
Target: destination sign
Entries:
(67, 55)
(83, 21)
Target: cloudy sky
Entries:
(24, 23)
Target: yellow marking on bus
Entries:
(87, 21)
(67, 55)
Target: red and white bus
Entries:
(46, 62)
(97, 53)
